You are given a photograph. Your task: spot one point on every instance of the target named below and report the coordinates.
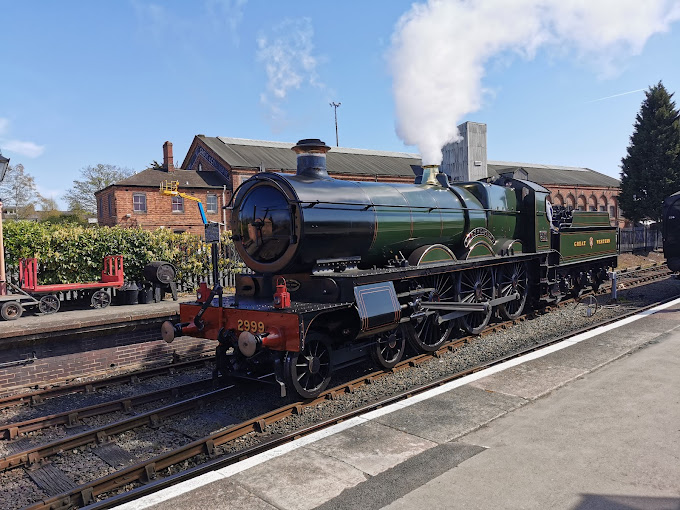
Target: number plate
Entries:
(251, 326)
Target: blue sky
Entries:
(108, 82)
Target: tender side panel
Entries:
(585, 245)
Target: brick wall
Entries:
(64, 356)
(158, 210)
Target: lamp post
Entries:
(335, 106)
(4, 164)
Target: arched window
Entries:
(581, 203)
(558, 200)
(571, 202)
(603, 203)
(592, 203)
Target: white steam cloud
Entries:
(289, 61)
(440, 50)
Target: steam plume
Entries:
(440, 50)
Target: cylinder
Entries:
(159, 271)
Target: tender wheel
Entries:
(309, 372)
(425, 332)
(11, 310)
(513, 278)
(389, 347)
(100, 299)
(476, 286)
(49, 304)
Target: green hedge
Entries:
(69, 253)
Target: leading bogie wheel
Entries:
(476, 285)
(389, 347)
(426, 332)
(100, 299)
(512, 279)
(308, 372)
(11, 310)
(49, 304)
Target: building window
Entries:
(139, 202)
(603, 208)
(100, 209)
(612, 211)
(177, 204)
(110, 199)
(211, 204)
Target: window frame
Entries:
(177, 205)
(207, 203)
(134, 204)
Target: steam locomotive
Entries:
(345, 269)
(671, 231)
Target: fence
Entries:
(194, 266)
(638, 239)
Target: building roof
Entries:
(187, 179)
(243, 153)
(553, 174)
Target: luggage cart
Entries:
(46, 297)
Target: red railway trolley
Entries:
(46, 297)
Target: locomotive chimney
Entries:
(311, 158)
(430, 174)
(168, 164)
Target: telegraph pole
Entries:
(335, 105)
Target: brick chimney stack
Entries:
(167, 157)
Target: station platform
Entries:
(42, 350)
(591, 423)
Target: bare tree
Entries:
(18, 190)
(94, 178)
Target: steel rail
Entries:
(148, 471)
(36, 397)
(101, 434)
(72, 418)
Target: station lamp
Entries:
(4, 164)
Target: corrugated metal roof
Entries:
(563, 175)
(243, 153)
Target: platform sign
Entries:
(212, 232)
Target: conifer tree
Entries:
(651, 169)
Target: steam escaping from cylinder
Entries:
(440, 50)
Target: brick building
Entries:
(137, 202)
(215, 166)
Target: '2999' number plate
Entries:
(252, 326)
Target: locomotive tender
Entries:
(342, 269)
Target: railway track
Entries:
(148, 475)
(39, 396)
(150, 472)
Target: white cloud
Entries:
(440, 51)
(227, 13)
(287, 55)
(28, 149)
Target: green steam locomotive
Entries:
(344, 269)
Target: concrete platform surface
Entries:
(592, 424)
(36, 323)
